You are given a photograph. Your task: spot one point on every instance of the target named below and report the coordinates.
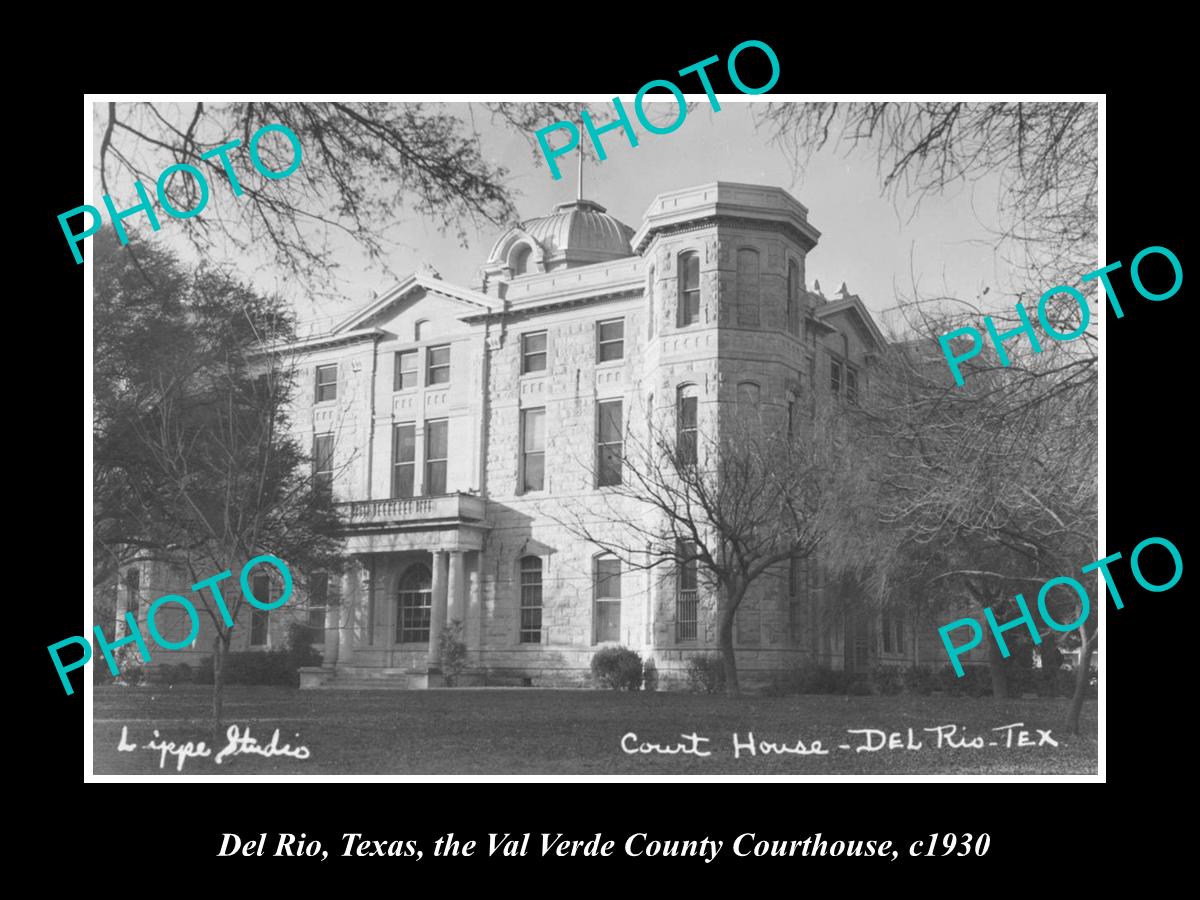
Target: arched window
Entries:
(793, 298)
(521, 260)
(685, 424)
(413, 605)
(421, 330)
(531, 600)
(650, 310)
(747, 287)
(689, 288)
(748, 394)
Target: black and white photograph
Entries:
(733, 434)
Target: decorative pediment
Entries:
(856, 313)
(472, 302)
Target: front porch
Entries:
(414, 568)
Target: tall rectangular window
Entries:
(610, 340)
(260, 618)
(685, 414)
(404, 459)
(439, 365)
(531, 600)
(607, 586)
(851, 386)
(609, 443)
(318, 599)
(323, 462)
(793, 298)
(436, 446)
(689, 288)
(533, 449)
(686, 604)
(326, 383)
(747, 287)
(406, 369)
(533, 352)
(835, 377)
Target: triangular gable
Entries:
(854, 309)
(473, 302)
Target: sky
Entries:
(878, 245)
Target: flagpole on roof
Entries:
(579, 183)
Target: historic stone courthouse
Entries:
(460, 425)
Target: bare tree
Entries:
(736, 501)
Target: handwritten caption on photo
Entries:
(865, 740)
(237, 744)
(135, 635)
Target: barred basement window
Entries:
(686, 603)
(531, 600)
(414, 605)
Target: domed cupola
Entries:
(577, 233)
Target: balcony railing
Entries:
(417, 510)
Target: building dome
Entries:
(577, 233)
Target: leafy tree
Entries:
(194, 464)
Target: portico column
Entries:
(471, 629)
(456, 605)
(348, 611)
(437, 612)
(331, 635)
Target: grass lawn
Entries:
(535, 732)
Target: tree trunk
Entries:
(220, 650)
(996, 663)
(725, 642)
(1082, 677)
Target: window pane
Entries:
(318, 589)
(609, 352)
(435, 478)
(439, 356)
(326, 383)
(406, 442)
(259, 619)
(690, 266)
(747, 287)
(608, 578)
(436, 434)
(612, 331)
(687, 412)
(535, 472)
(402, 481)
(535, 430)
(610, 421)
(608, 621)
(535, 342)
(406, 370)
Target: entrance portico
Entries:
(413, 568)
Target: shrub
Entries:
(918, 680)
(888, 680)
(705, 675)
(129, 664)
(300, 650)
(650, 676)
(454, 650)
(618, 668)
(253, 667)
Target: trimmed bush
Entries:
(253, 667)
(888, 680)
(618, 668)
(705, 675)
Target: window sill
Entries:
(445, 385)
(539, 373)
